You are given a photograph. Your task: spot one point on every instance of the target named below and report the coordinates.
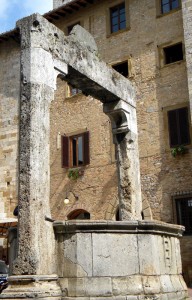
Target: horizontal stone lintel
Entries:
(131, 227)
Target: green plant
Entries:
(179, 150)
(74, 173)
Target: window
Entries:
(122, 68)
(178, 124)
(168, 5)
(79, 214)
(75, 150)
(184, 213)
(69, 28)
(173, 53)
(118, 17)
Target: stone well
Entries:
(132, 260)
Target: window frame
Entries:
(165, 55)
(170, 3)
(160, 12)
(178, 218)
(121, 63)
(161, 52)
(166, 125)
(117, 8)
(67, 150)
(108, 17)
(178, 126)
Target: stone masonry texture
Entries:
(157, 89)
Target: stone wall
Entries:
(158, 89)
(9, 99)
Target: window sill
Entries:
(172, 64)
(118, 32)
(168, 13)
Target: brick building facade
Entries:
(147, 41)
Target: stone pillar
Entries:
(187, 25)
(37, 91)
(124, 128)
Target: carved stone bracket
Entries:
(124, 129)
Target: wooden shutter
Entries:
(86, 149)
(64, 151)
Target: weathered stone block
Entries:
(166, 284)
(148, 254)
(127, 285)
(151, 285)
(98, 287)
(76, 287)
(111, 260)
(78, 256)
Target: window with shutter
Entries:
(178, 122)
(184, 213)
(75, 150)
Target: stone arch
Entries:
(79, 214)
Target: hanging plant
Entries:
(75, 173)
(179, 150)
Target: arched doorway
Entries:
(79, 214)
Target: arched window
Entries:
(79, 214)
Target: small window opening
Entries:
(122, 68)
(69, 28)
(79, 214)
(173, 53)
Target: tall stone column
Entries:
(187, 25)
(34, 270)
(37, 91)
(124, 129)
